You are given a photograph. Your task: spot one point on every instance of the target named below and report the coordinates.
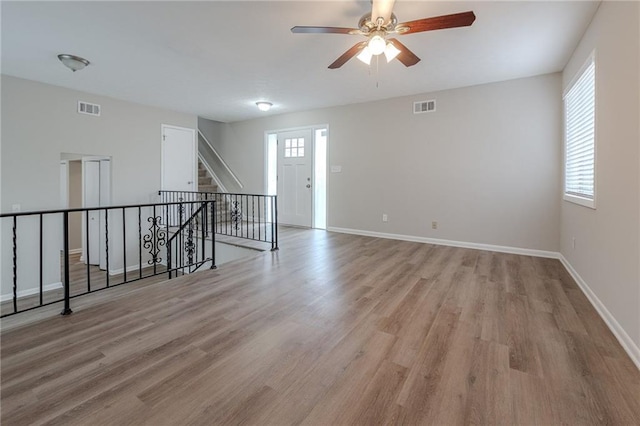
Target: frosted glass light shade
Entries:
(390, 52)
(74, 63)
(264, 106)
(376, 45)
(365, 55)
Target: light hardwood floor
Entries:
(331, 329)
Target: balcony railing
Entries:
(248, 216)
(120, 244)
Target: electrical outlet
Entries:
(434, 225)
(15, 208)
(573, 242)
(385, 218)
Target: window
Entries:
(294, 148)
(579, 137)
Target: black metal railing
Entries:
(121, 244)
(249, 216)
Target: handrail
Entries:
(249, 216)
(224, 163)
(139, 233)
(206, 165)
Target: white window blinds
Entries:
(579, 105)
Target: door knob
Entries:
(308, 186)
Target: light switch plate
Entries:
(336, 169)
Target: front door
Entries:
(295, 150)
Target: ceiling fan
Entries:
(380, 23)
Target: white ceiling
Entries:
(216, 59)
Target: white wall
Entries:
(607, 251)
(486, 165)
(39, 122)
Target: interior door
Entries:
(178, 168)
(178, 159)
(295, 153)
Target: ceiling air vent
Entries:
(424, 106)
(87, 108)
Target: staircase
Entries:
(207, 184)
(205, 181)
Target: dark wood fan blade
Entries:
(463, 19)
(322, 30)
(407, 57)
(348, 55)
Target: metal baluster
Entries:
(41, 262)
(259, 201)
(15, 264)
(180, 238)
(139, 242)
(169, 258)
(154, 235)
(86, 249)
(203, 214)
(124, 246)
(106, 242)
(275, 222)
(253, 213)
(213, 239)
(65, 226)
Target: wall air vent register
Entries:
(424, 106)
(89, 109)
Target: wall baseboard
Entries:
(451, 243)
(621, 335)
(31, 291)
(625, 340)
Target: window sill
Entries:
(586, 202)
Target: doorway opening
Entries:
(85, 181)
(296, 171)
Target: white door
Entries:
(91, 198)
(178, 159)
(294, 177)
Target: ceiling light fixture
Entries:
(264, 106)
(377, 44)
(74, 63)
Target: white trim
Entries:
(129, 269)
(625, 340)
(224, 163)
(452, 243)
(221, 187)
(76, 251)
(618, 331)
(31, 291)
(582, 201)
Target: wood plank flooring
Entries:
(331, 329)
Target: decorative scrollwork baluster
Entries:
(189, 246)
(236, 214)
(155, 239)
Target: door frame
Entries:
(104, 199)
(313, 129)
(194, 151)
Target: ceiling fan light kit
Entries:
(385, 23)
